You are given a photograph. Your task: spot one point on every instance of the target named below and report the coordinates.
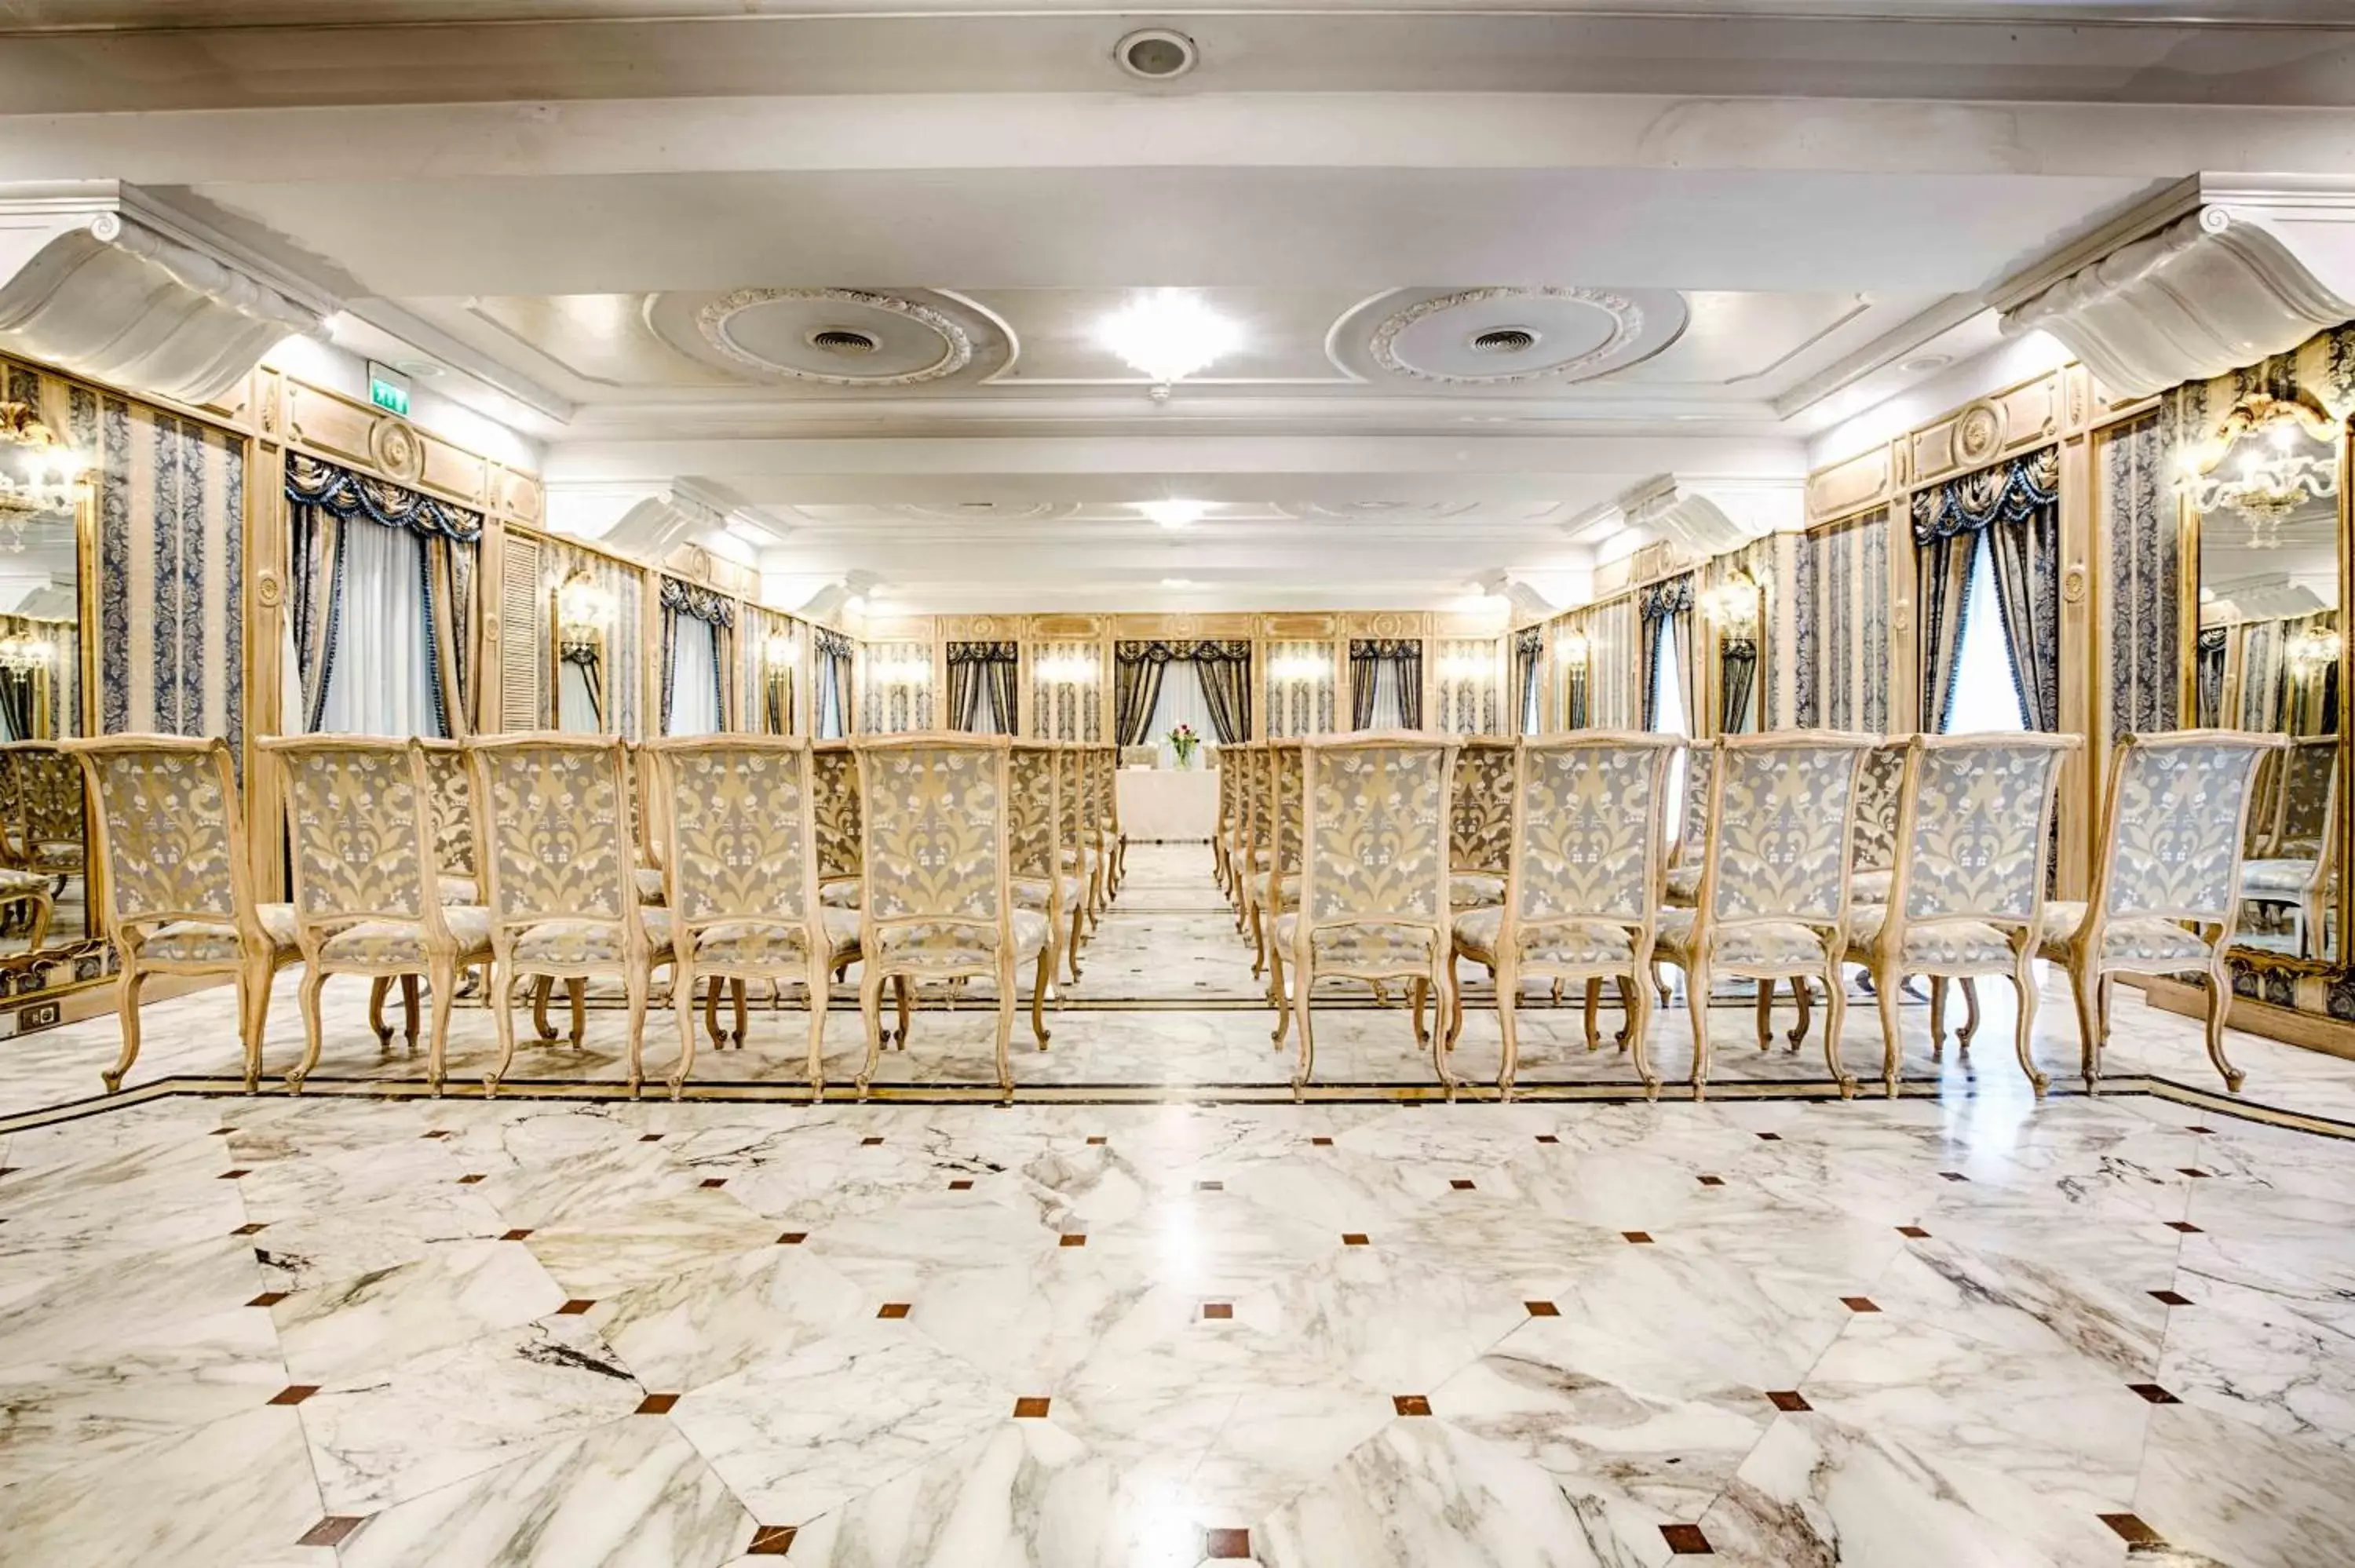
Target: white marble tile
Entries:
(457, 1291)
(2216, 1485)
(684, 1330)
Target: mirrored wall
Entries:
(44, 895)
(2270, 655)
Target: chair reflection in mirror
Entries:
(42, 824)
(2292, 869)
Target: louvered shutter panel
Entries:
(523, 632)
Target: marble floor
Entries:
(1961, 1328)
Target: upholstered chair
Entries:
(456, 863)
(1965, 895)
(1275, 887)
(1585, 855)
(46, 821)
(360, 834)
(1115, 840)
(2299, 859)
(1772, 902)
(1373, 907)
(938, 903)
(1249, 765)
(1034, 840)
(24, 883)
(2165, 893)
(1683, 885)
(834, 774)
(740, 862)
(177, 888)
(1482, 823)
(1871, 853)
(561, 870)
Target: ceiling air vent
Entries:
(1504, 340)
(845, 341)
(1155, 54)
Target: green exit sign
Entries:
(388, 388)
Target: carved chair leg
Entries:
(1697, 1009)
(444, 982)
(1885, 982)
(380, 987)
(2023, 987)
(1970, 1014)
(682, 1008)
(2220, 1000)
(579, 986)
(1937, 1018)
(126, 1012)
(307, 994)
(871, 1010)
(409, 1011)
(1834, 1017)
(1636, 997)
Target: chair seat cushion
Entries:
(754, 944)
(1870, 886)
(2283, 876)
(845, 893)
(17, 884)
(950, 945)
(403, 941)
(1684, 883)
(215, 941)
(1388, 949)
(454, 887)
(650, 885)
(58, 859)
(1029, 894)
(1748, 943)
(1935, 944)
(1474, 889)
(587, 944)
(2145, 943)
(1565, 943)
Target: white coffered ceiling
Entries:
(620, 227)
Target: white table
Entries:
(1167, 803)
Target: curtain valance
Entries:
(832, 644)
(2008, 492)
(1163, 653)
(706, 604)
(985, 653)
(1386, 648)
(311, 482)
(1674, 597)
(1530, 641)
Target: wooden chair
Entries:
(1373, 906)
(739, 849)
(1035, 840)
(2165, 893)
(1481, 822)
(1872, 853)
(1585, 860)
(1275, 886)
(939, 902)
(2296, 861)
(177, 884)
(562, 875)
(1773, 901)
(1965, 896)
(457, 864)
(361, 832)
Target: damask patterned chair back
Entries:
(1877, 788)
(1981, 817)
(1693, 822)
(1284, 807)
(1251, 788)
(1482, 834)
(740, 838)
(45, 817)
(834, 774)
(170, 829)
(354, 809)
(556, 842)
(11, 828)
(2177, 813)
(936, 817)
(1375, 832)
(2265, 810)
(1033, 837)
(1781, 815)
(451, 784)
(2309, 795)
(1589, 833)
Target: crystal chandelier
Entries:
(1168, 335)
(2273, 457)
(22, 653)
(38, 472)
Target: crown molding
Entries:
(2214, 273)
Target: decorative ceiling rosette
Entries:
(1505, 336)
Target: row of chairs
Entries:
(41, 830)
(727, 859)
(1382, 858)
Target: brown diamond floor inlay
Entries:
(1209, 1186)
(1354, 1238)
(470, 1179)
(1225, 1545)
(1641, 1238)
(2131, 1530)
(268, 1298)
(1218, 1311)
(1542, 1309)
(1460, 1184)
(247, 1230)
(2153, 1392)
(1030, 1408)
(331, 1529)
(1687, 1541)
(1952, 1176)
(714, 1181)
(1548, 1138)
(575, 1308)
(1762, 1138)
(1072, 1240)
(2200, 1130)
(1788, 1399)
(294, 1394)
(1859, 1304)
(1098, 1139)
(2186, 1226)
(1411, 1404)
(515, 1235)
(961, 1185)
(440, 1132)
(894, 1309)
(652, 1137)
(2171, 1297)
(1916, 1232)
(1711, 1180)
(868, 1142)
(656, 1404)
(2192, 1170)
(792, 1238)
(232, 1175)
(771, 1541)
(1320, 1143)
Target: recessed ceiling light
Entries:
(1156, 54)
(1173, 514)
(1925, 362)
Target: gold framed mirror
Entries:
(2265, 521)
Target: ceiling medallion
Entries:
(1626, 324)
(711, 320)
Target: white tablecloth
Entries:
(1166, 803)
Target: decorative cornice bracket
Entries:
(2212, 276)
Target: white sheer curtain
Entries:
(1181, 702)
(380, 675)
(1668, 718)
(694, 682)
(576, 710)
(1388, 713)
(1986, 685)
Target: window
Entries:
(1986, 683)
(1668, 718)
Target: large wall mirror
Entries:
(2270, 655)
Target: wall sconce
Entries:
(2314, 651)
(1572, 647)
(1067, 669)
(1300, 667)
(780, 652)
(1733, 605)
(1462, 667)
(583, 610)
(23, 655)
(905, 671)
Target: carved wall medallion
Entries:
(491, 626)
(1901, 615)
(395, 449)
(1979, 433)
(267, 590)
(2073, 583)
